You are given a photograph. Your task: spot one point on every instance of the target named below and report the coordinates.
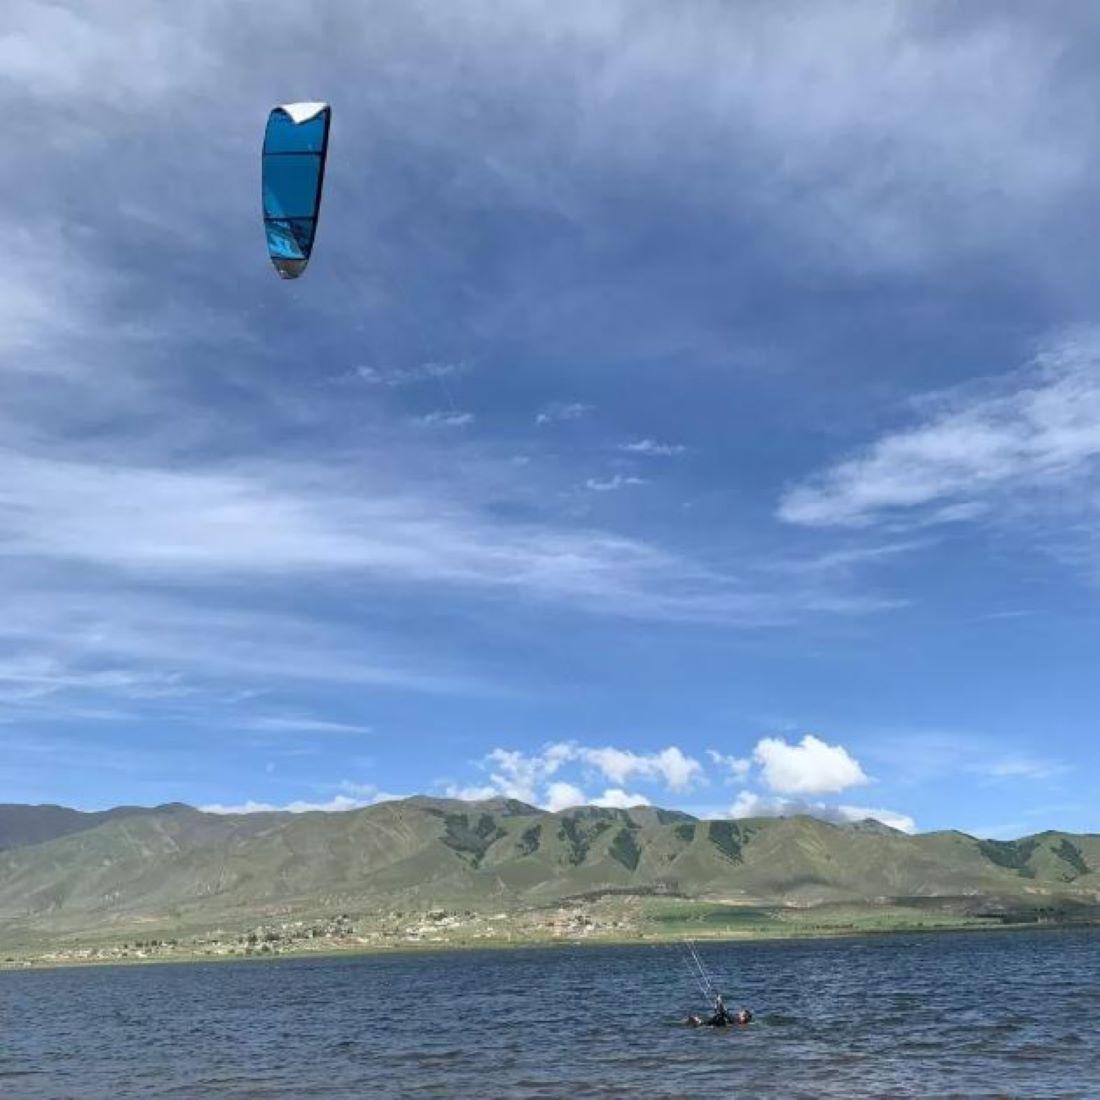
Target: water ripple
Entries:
(966, 1015)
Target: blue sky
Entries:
(692, 404)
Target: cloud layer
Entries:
(565, 249)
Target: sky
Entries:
(686, 404)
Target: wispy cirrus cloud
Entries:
(408, 376)
(263, 518)
(299, 724)
(77, 645)
(929, 755)
(973, 452)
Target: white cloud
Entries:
(278, 724)
(337, 804)
(535, 778)
(102, 57)
(613, 483)
(353, 796)
(1021, 766)
(737, 768)
(266, 518)
(652, 448)
(521, 779)
(248, 807)
(443, 418)
(144, 647)
(562, 411)
(890, 183)
(36, 675)
(902, 822)
(810, 767)
(519, 775)
(752, 804)
(614, 798)
(472, 794)
(1040, 428)
(671, 765)
(924, 757)
(405, 376)
(561, 796)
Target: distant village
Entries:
(395, 929)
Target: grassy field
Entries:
(714, 919)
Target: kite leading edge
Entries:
(295, 147)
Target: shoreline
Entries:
(185, 958)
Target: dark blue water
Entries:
(968, 1015)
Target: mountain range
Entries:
(64, 871)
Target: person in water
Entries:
(721, 1017)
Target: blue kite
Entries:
(295, 147)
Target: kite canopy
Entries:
(295, 146)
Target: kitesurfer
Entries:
(721, 1017)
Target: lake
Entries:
(966, 1015)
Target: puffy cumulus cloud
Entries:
(752, 804)
(516, 774)
(736, 768)
(535, 777)
(615, 798)
(810, 767)
(902, 822)
(471, 794)
(557, 795)
(561, 796)
(366, 795)
(250, 806)
(672, 766)
(1036, 428)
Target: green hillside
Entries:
(34, 824)
(174, 866)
